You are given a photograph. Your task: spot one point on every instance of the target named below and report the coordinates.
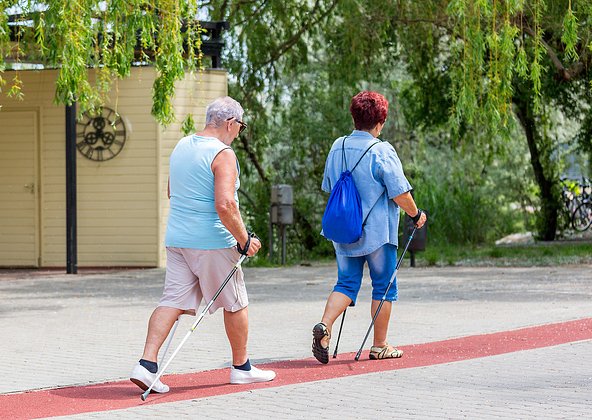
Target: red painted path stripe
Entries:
(188, 386)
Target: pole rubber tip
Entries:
(143, 397)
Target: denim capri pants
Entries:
(381, 263)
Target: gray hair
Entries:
(222, 109)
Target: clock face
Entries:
(100, 136)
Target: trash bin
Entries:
(281, 214)
(420, 238)
(421, 235)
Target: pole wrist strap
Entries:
(417, 216)
(244, 249)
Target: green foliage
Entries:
(493, 49)
(110, 36)
(454, 73)
(188, 125)
(544, 254)
(536, 68)
(570, 35)
(469, 200)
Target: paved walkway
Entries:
(62, 331)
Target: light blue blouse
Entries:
(379, 178)
(193, 221)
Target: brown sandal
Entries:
(386, 352)
(321, 353)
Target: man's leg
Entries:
(144, 373)
(382, 322)
(159, 326)
(237, 331)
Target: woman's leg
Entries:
(382, 264)
(349, 280)
(336, 304)
(382, 322)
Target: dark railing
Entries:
(212, 46)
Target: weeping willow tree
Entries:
(477, 69)
(107, 35)
(502, 61)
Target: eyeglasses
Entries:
(243, 125)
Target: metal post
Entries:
(412, 257)
(216, 57)
(283, 229)
(71, 235)
(270, 235)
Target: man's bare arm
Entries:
(225, 174)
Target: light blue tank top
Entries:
(193, 221)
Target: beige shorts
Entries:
(196, 274)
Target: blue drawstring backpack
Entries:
(342, 220)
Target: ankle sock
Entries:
(152, 367)
(245, 366)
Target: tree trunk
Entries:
(539, 156)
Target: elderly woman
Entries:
(383, 189)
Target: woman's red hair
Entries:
(368, 109)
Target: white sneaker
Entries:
(144, 378)
(238, 376)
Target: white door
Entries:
(18, 189)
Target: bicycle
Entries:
(581, 218)
(577, 197)
(570, 195)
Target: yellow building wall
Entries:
(19, 142)
(122, 203)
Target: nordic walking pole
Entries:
(194, 326)
(385, 293)
(171, 335)
(339, 335)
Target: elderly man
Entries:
(204, 240)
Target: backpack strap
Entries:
(343, 159)
(364, 154)
(372, 208)
(369, 147)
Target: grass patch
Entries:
(542, 253)
(538, 254)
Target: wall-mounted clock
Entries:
(100, 136)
